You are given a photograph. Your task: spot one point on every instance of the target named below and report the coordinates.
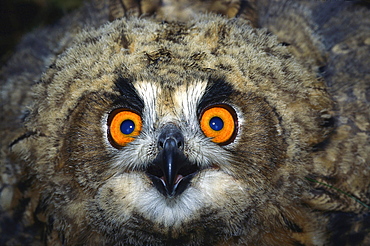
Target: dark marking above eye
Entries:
(129, 97)
(217, 91)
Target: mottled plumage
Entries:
(291, 79)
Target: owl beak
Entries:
(172, 160)
(171, 171)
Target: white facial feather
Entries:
(149, 93)
(186, 99)
(170, 212)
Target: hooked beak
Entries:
(171, 171)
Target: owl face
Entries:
(162, 166)
(170, 133)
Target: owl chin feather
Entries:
(133, 197)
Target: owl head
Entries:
(146, 133)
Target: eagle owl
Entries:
(189, 123)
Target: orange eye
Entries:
(124, 125)
(219, 123)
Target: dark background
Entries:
(18, 17)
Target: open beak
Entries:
(171, 171)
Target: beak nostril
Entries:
(160, 144)
(179, 144)
(171, 133)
